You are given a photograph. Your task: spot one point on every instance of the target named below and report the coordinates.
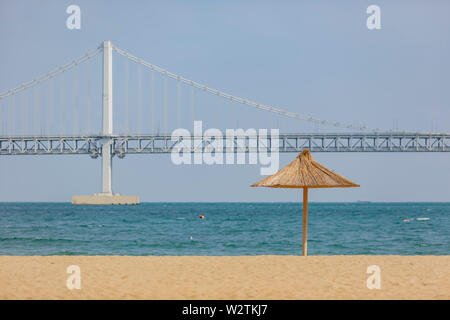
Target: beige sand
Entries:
(247, 277)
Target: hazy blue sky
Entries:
(310, 57)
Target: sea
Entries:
(358, 228)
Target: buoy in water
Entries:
(201, 217)
(406, 220)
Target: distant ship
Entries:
(363, 201)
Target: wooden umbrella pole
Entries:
(305, 222)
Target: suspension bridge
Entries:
(70, 111)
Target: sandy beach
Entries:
(240, 277)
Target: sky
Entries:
(311, 57)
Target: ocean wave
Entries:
(67, 253)
(39, 239)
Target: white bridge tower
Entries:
(106, 196)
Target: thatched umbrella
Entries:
(305, 173)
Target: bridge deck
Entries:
(135, 144)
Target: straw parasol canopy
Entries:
(305, 173)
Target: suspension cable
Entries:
(165, 104)
(189, 82)
(75, 128)
(51, 74)
(153, 103)
(238, 99)
(178, 104)
(126, 73)
(139, 100)
(89, 129)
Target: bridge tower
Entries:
(106, 196)
(107, 119)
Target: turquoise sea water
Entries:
(227, 229)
